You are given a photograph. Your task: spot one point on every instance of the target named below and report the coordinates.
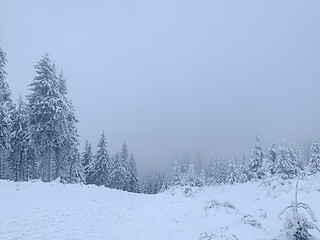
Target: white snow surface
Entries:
(37, 210)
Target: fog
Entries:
(174, 76)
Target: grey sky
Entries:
(174, 76)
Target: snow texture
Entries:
(249, 211)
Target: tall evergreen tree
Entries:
(6, 107)
(52, 123)
(315, 158)
(67, 157)
(255, 165)
(44, 131)
(20, 165)
(102, 165)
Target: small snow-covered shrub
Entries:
(206, 236)
(215, 204)
(296, 224)
(248, 219)
(188, 192)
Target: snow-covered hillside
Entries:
(37, 210)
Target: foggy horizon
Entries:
(196, 77)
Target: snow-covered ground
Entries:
(37, 210)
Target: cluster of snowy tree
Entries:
(118, 171)
(39, 139)
(153, 183)
(283, 162)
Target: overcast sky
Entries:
(174, 76)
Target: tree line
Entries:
(39, 140)
(283, 162)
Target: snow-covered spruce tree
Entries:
(255, 164)
(6, 107)
(272, 153)
(20, 165)
(314, 162)
(42, 110)
(101, 168)
(202, 178)
(158, 181)
(52, 123)
(176, 176)
(118, 177)
(133, 181)
(232, 174)
(304, 156)
(211, 171)
(87, 161)
(296, 225)
(243, 169)
(222, 169)
(75, 171)
(148, 186)
(284, 164)
(44, 130)
(68, 160)
(190, 178)
(127, 171)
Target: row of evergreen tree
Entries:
(283, 162)
(39, 139)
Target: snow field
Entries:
(37, 210)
